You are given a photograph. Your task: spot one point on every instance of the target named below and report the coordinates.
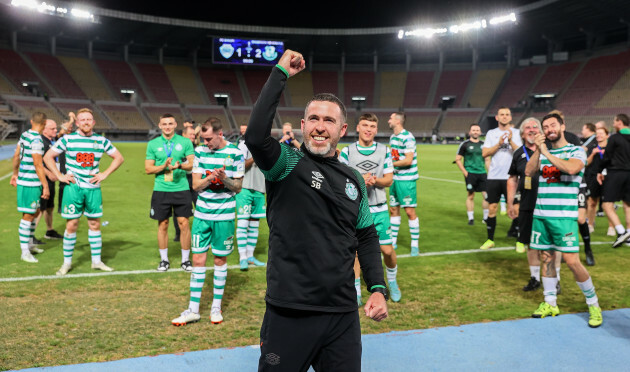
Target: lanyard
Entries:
(169, 151)
(525, 151)
(601, 156)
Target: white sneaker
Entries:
(186, 317)
(63, 270)
(28, 257)
(101, 266)
(591, 228)
(215, 315)
(35, 250)
(611, 231)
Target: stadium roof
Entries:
(326, 30)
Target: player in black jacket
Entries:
(318, 216)
(616, 161)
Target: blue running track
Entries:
(563, 343)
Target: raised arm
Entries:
(264, 148)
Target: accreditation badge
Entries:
(168, 176)
(528, 183)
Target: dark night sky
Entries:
(317, 14)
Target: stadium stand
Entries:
(184, 83)
(452, 83)
(417, 88)
(158, 82)
(300, 89)
(66, 106)
(555, 78)
(254, 80)
(17, 71)
(199, 114)
(221, 81)
(6, 87)
(618, 95)
(456, 122)
(57, 75)
(125, 116)
(420, 122)
(29, 105)
(120, 76)
(292, 115)
(326, 82)
(484, 86)
(358, 83)
(87, 78)
(516, 87)
(392, 89)
(155, 110)
(599, 76)
(241, 115)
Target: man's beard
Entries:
(321, 151)
(558, 136)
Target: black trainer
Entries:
(52, 234)
(164, 266)
(187, 266)
(471, 222)
(590, 261)
(532, 285)
(39, 242)
(621, 238)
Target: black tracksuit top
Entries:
(318, 217)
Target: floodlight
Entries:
(81, 13)
(32, 4)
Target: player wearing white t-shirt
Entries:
(500, 145)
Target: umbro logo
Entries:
(318, 176)
(367, 165)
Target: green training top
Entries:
(159, 149)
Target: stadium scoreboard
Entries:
(246, 51)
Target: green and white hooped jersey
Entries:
(253, 179)
(83, 155)
(402, 143)
(30, 143)
(217, 202)
(375, 159)
(558, 191)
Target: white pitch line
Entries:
(138, 272)
(6, 176)
(441, 179)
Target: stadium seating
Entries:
(156, 110)
(618, 95)
(254, 80)
(485, 85)
(29, 105)
(417, 88)
(184, 83)
(241, 115)
(199, 114)
(300, 89)
(126, 116)
(516, 87)
(65, 107)
(87, 78)
(358, 83)
(221, 81)
(392, 89)
(6, 87)
(292, 115)
(457, 122)
(158, 82)
(555, 77)
(120, 76)
(420, 122)
(452, 83)
(57, 75)
(13, 67)
(326, 82)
